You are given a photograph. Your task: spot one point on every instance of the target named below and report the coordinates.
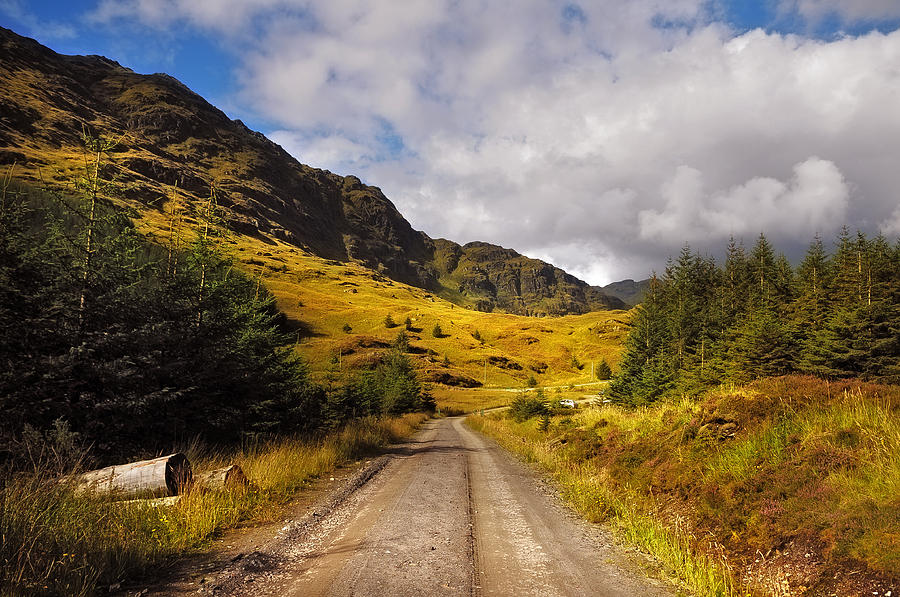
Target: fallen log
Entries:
(223, 478)
(166, 475)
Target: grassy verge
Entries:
(785, 487)
(57, 543)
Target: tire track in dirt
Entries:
(447, 513)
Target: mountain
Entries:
(173, 142)
(500, 278)
(628, 291)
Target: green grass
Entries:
(56, 542)
(708, 485)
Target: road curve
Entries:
(450, 513)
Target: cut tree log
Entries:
(223, 478)
(166, 475)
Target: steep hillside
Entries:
(172, 141)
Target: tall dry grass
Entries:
(588, 491)
(56, 542)
(708, 484)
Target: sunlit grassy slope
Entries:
(320, 297)
(785, 487)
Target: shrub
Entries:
(401, 342)
(389, 321)
(437, 332)
(347, 329)
(545, 423)
(526, 407)
(530, 382)
(604, 371)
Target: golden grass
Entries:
(55, 542)
(467, 400)
(321, 296)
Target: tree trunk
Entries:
(166, 475)
(223, 478)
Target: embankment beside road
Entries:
(785, 486)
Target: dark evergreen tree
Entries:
(398, 384)
(604, 371)
(735, 284)
(401, 342)
(755, 317)
(813, 278)
(646, 370)
(762, 273)
(144, 359)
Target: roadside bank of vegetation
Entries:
(787, 486)
(54, 541)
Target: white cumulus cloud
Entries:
(815, 199)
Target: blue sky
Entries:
(599, 135)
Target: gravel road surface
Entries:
(448, 513)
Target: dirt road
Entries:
(449, 513)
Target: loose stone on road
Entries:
(450, 513)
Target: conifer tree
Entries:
(398, 384)
(735, 283)
(604, 371)
(646, 370)
(763, 274)
(813, 278)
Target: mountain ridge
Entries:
(628, 291)
(173, 137)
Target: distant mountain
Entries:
(171, 136)
(628, 291)
(494, 277)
